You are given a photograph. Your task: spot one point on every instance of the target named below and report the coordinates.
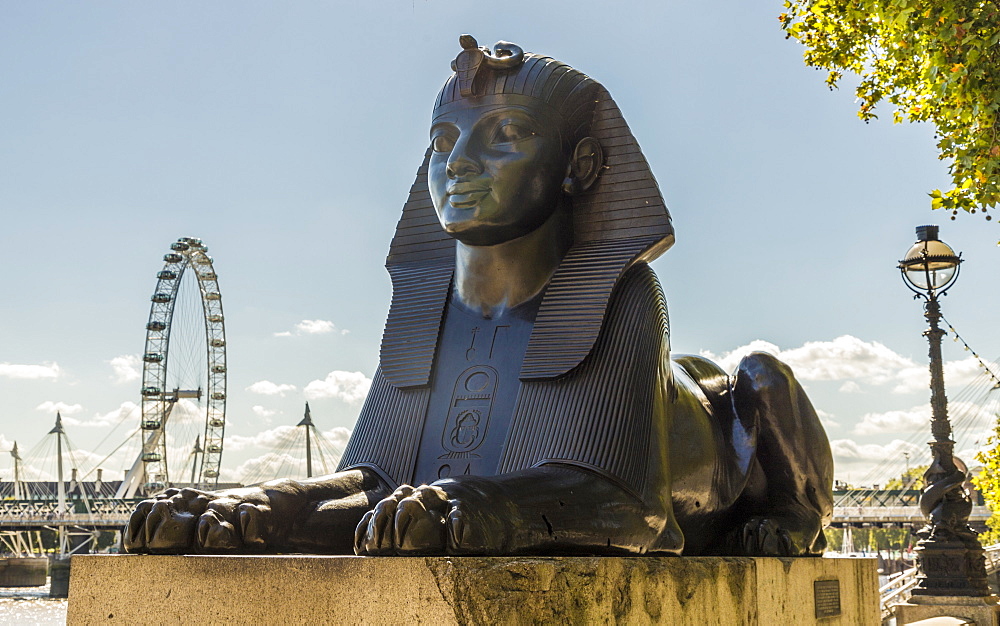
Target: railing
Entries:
(899, 587)
(99, 512)
(893, 514)
(897, 591)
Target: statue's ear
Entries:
(584, 166)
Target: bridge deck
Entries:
(877, 515)
(872, 510)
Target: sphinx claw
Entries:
(381, 535)
(214, 533)
(157, 512)
(361, 533)
(253, 526)
(403, 519)
(135, 530)
(787, 545)
(456, 527)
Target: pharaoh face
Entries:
(497, 168)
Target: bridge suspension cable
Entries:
(973, 404)
(299, 451)
(968, 348)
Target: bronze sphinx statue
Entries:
(525, 382)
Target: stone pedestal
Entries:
(983, 611)
(472, 590)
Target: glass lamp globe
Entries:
(930, 264)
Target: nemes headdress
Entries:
(620, 220)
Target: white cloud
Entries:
(267, 388)
(266, 467)
(262, 413)
(184, 411)
(964, 416)
(827, 419)
(127, 410)
(30, 372)
(871, 463)
(917, 418)
(848, 451)
(127, 368)
(731, 359)
(961, 373)
(291, 464)
(843, 358)
(313, 327)
(283, 437)
(37, 469)
(969, 455)
(972, 416)
(854, 361)
(956, 374)
(351, 387)
(850, 387)
(45, 467)
(187, 411)
(59, 407)
(338, 436)
(278, 437)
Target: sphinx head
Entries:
(510, 141)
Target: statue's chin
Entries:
(473, 228)
(481, 235)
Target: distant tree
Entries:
(988, 484)
(912, 478)
(834, 539)
(936, 61)
(870, 539)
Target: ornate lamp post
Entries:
(949, 554)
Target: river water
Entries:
(31, 605)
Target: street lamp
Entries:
(949, 555)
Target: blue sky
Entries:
(286, 136)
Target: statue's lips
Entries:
(466, 195)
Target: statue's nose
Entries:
(460, 162)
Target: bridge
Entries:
(879, 509)
(892, 508)
(854, 508)
(99, 514)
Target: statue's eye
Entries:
(442, 143)
(510, 132)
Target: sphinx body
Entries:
(526, 385)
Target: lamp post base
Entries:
(984, 611)
(955, 566)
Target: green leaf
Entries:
(935, 61)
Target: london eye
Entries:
(183, 377)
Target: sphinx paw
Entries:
(764, 537)
(778, 536)
(165, 523)
(187, 520)
(422, 520)
(410, 521)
